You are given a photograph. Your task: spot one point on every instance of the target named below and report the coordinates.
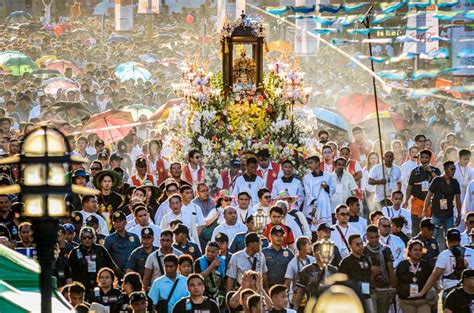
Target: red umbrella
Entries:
(163, 111)
(62, 65)
(357, 106)
(111, 125)
(390, 122)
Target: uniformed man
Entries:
(77, 220)
(244, 260)
(182, 243)
(138, 302)
(430, 249)
(223, 242)
(121, 243)
(88, 258)
(311, 277)
(136, 261)
(277, 257)
(93, 222)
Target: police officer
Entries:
(430, 249)
(88, 258)
(277, 257)
(136, 262)
(121, 243)
(138, 302)
(93, 222)
(182, 243)
(7, 216)
(223, 242)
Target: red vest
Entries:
(137, 182)
(272, 175)
(186, 176)
(321, 166)
(227, 182)
(351, 164)
(161, 172)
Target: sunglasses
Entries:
(267, 197)
(386, 226)
(95, 169)
(227, 199)
(87, 237)
(344, 214)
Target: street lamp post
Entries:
(326, 251)
(260, 221)
(43, 185)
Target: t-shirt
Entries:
(459, 301)
(442, 191)
(447, 261)
(357, 269)
(380, 280)
(185, 305)
(393, 175)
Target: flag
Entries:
(123, 15)
(416, 28)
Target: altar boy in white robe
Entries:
(288, 184)
(468, 201)
(319, 188)
(249, 181)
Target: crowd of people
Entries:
(160, 236)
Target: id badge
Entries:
(338, 188)
(365, 288)
(443, 204)
(413, 289)
(425, 186)
(91, 265)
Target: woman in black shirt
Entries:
(105, 293)
(412, 275)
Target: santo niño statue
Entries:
(244, 69)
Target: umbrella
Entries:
(52, 85)
(163, 111)
(168, 61)
(132, 70)
(62, 65)
(81, 34)
(330, 118)
(45, 73)
(389, 121)
(355, 107)
(118, 38)
(138, 110)
(280, 45)
(111, 125)
(45, 58)
(17, 63)
(18, 17)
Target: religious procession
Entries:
(225, 156)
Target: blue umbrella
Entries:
(132, 70)
(119, 38)
(330, 118)
(18, 17)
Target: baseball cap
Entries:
(324, 226)
(119, 216)
(99, 142)
(77, 218)
(140, 162)
(428, 223)
(137, 296)
(221, 237)
(453, 234)
(69, 228)
(277, 229)
(91, 219)
(102, 156)
(115, 156)
(251, 237)
(147, 231)
(235, 163)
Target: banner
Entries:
(148, 7)
(424, 43)
(460, 41)
(123, 15)
(305, 44)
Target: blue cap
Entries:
(69, 228)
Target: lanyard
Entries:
(388, 241)
(343, 236)
(391, 212)
(414, 269)
(206, 205)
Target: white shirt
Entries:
(391, 212)
(103, 227)
(294, 189)
(265, 171)
(406, 168)
(291, 222)
(360, 225)
(464, 175)
(339, 240)
(397, 246)
(447, 261)
(163, 209)
(465, 240)
(229, 230)
(344, 188)
(364, 182)
(393, 176)
(132, 223)
(252, 187)
(195, 210)
(137, 230)
(187, 219)
(468, 201)
(314, 191)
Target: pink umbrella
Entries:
(52, 85)
(111, 125)
(62, 65)
(163, 111)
